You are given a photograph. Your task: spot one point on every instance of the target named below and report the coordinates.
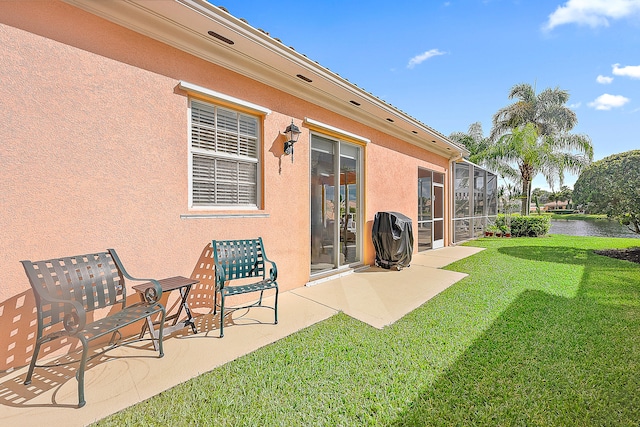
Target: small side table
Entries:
(183, 284)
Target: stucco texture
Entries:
(94, 155)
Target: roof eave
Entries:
(184, 24)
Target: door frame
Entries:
(437, 243)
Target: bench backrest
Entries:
(93, 280)
(240, 259)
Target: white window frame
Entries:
(224, 156)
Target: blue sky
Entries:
(451, 63)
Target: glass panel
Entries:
(461, 230)
(424, 236)
(461, 190)
(424, 195)
(231, 179)
(438, 178)
(478, 226)
(492, 194)
(349, 173)
(323, 205)
(438, 202)
(478, 191)
(438, 230)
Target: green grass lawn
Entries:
(586, 217)
(543, 332)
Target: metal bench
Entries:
(67, 291)
(242, 259)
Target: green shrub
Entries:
(529, 226)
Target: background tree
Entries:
(473, 140)
(611, 186)
(538, 125)
(566, 194)
(509, 196)
(542, 195)
(555, 196)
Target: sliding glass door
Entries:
(335, 204)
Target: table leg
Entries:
(154, 334)
(184, 292)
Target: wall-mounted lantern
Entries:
(293, 133)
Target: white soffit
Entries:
(185, 24)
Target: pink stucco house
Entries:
(154, 127)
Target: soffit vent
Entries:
(220, 37)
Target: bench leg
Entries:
(160, 333)
(80, 373)
(34, 359)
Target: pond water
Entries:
(597, 228)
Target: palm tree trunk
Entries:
(524, 210)
(526, 172)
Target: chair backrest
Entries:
(240, 258)
(93, 280)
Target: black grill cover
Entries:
(392, 235)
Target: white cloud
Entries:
(607, 102)
(419, 59)
(594, 13)
(604, 80)
(576, 105)
(632, 71)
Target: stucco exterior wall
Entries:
(94, 155)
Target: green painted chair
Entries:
(242, 259)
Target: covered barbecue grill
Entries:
(392, 235)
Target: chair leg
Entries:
(221, 315)
(215, 302)
(275, 309)
(32, 365)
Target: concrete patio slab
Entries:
(380, 297)
(439, 258)
(130, 374)
(133, 373)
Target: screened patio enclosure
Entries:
(475, 198)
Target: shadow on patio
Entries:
(132, 373)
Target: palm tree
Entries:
(474, 140)
(532, 136)
(567, 194)
(556, 196)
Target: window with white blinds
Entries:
(224, 147)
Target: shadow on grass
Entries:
(548, 360)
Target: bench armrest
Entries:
(75, 318)
(151, 294)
